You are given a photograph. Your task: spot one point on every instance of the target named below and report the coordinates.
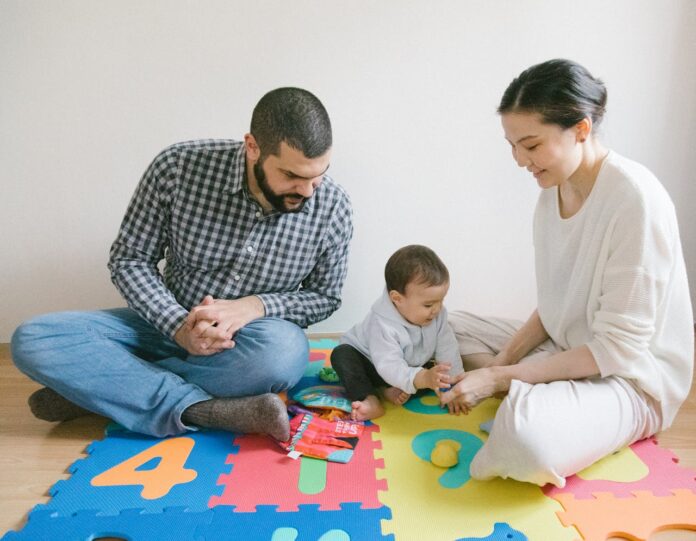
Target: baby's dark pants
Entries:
(357, 373)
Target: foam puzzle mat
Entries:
(214, 485)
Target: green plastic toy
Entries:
(328, 374)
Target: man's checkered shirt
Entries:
(192, 208)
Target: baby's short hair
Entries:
(414, 263)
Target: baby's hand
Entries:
(435, 378)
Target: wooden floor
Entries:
(35, 454)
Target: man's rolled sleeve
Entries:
(140, 245)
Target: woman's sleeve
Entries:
(640, 247)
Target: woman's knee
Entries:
(518, 448)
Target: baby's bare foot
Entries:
(396, 395)
(364, 410)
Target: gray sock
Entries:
(48, 405)
(263, 414)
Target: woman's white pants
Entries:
(545, 432)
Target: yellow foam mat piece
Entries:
(422, 508)
(623, 466)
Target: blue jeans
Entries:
(115, 363)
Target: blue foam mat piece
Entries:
(501, 532)
(323, 343)
(310, 523)
(208, 457)
(173, 524)
(218, 524)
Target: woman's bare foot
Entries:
(364, 410)
(396, 395)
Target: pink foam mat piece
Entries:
(262, 474)
(664, 475)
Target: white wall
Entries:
(91, 91)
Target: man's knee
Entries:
(275, 354)
(35, 342)
(31, 337)
(284, 338)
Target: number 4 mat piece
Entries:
(132, 471)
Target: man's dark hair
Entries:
(292, 115)
(414, 263)
(562, 91)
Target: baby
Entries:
(405, 330)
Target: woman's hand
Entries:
(470, 388)
(457, 406)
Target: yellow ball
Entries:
(445, 454)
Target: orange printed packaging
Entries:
(313, 436)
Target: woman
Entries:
(606, 359)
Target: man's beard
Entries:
(277, 201)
